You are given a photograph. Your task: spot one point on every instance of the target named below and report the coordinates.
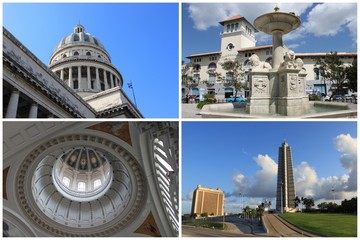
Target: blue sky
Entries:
(141, 38)
(238, 156)
(325, 27)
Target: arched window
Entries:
(97, 183)
(197, 67)
(76, 53)
(64, 56)
(66, 181)
(247, 64)
(212, 66)
(81, 186)
(88, 54)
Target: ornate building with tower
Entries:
(90, 179)
(80, 81)
(238, 42)
(207, 200)
(285, 194)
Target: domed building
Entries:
(90, 179)
(80, 81)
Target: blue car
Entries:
(238, 99)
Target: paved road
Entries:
(277, 228)
(205, 232)
(190, 111)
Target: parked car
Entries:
(237, 99)
(338, 98)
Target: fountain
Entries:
(277, 90)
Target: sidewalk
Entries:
(189, 111)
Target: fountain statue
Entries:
(279, 89)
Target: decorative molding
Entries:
(5, 174)
(149, 227)
(117, 129)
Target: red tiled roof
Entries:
(203, 54)
(231, 19)
(254, 48)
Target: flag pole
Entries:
(130, 85)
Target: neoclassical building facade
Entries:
(79, 82)
(90, 179)
(238, 42)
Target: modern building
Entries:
(238, 42)
(90, 179)
(79, 82)
(285, 194)
(207, 200)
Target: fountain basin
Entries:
(317, 110)
(277, 21)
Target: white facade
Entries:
(80, 67)
(91, 179)
(239, 33)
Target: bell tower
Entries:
(238, 33)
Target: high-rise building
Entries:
(207, 200)
(285, 195)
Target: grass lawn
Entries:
(214, 225)
(326, 224)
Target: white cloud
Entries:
(326, 19)
(307, 182)
(206, 15)
(188, 196)
(263, 184)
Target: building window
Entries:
(88, 54)
(232, 27)
(76, 84)
(212, 66)
(236, 26)
(66, 181)
(197, 67)
(229, 77)
(228, 28)
(212, 58)
(97, 183)
(81, 187)
(76, 54)
(102, 86)
(196, 78)
(212, 78)
(92, 84)
(64, 56)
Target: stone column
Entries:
(13, 104)
(97, 80)
(79, 77)
(62, 74)
(70, 77)
(105, 80)
(278, 53)
(111, 80)
(33, 113)
(88, 77)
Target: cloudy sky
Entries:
(325, 27)
(242, 157)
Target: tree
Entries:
(235, 75)
(297, 201)
(351, 74)
(349, 206)
(308, 203)
(246, 211)
(260, 211)
(333, 70)
(187, 79)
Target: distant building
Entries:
(285, 195)
(207, 200)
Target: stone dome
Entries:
(79, 37)
(83, 63)
(82, 173)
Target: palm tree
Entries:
(260, 212)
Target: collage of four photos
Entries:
(179, 119)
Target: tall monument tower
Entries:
(285, 195)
